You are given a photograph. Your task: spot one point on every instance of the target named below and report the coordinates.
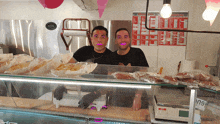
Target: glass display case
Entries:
(31, 99)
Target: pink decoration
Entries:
(214, 5)
(51, 4)
(101, 6)
(216, 1)
(42, 2)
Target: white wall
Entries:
(201, 47)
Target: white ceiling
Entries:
(87, 4)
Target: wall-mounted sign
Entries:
(143, 37)
(51, 26)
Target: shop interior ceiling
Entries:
(87, 5)
(90, 5)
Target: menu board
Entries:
(143, 37)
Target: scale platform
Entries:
(172, 105)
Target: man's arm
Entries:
(143, 69)
(89, 98)
(79, 55)
(137, 100)
(144, 64)
(105, 90)
(72, 60)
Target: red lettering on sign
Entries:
(162, 109)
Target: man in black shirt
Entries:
(125, 56)
(96, 53)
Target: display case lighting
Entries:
(81, 82)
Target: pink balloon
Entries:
(216, 1)
(101, 6)
(51, 4)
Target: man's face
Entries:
(122, 39)
(99, 40)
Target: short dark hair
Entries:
(120, 29)
(100, 28)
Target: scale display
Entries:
(183, 113)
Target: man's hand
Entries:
(129, 64)
(58, 93)
(137, 102)
(121, 64)
(88, 99)
(72, 60)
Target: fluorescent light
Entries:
(86, 83)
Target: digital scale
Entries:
(172, 106)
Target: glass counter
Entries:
(35, 95)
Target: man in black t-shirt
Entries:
(125, 56)
(88, 54)
(96, 53)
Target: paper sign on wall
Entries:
(143, 37)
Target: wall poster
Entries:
(143, 37)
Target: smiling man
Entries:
(96, 53)
(126, 55)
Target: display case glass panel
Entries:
(119, 95)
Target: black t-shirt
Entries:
(87, 54)
(121, 96)
(135, 56)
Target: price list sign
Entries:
(143, 37)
